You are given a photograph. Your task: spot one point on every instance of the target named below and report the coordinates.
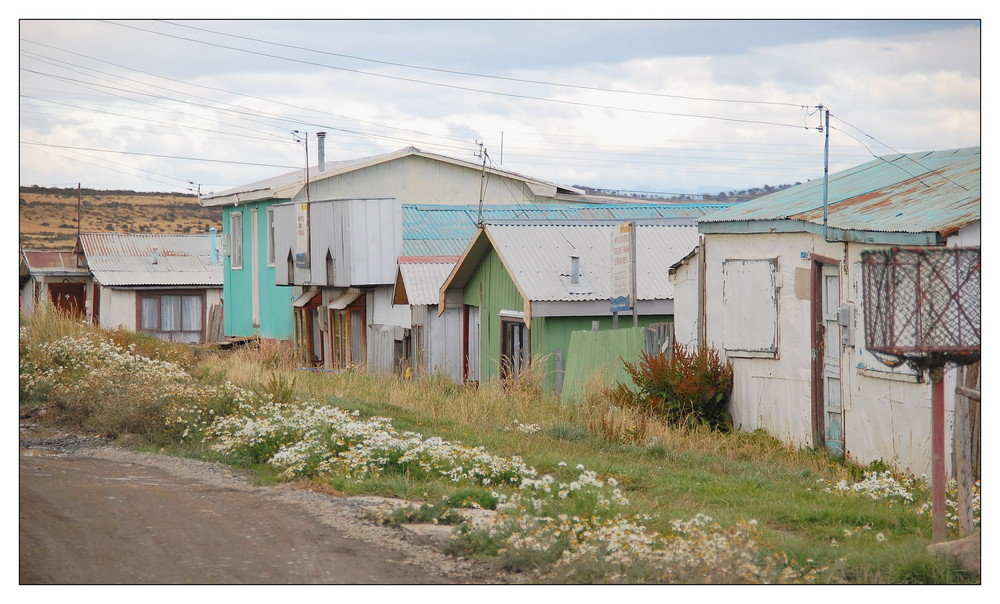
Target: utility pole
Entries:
(78, 203)
(482, 183)
(826, 168)
(298, 140)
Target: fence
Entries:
(600, 355)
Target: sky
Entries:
(651, 105)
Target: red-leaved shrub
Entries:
(686, 388)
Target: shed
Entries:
(526, 286)
(779, 293)
(56, 276)
(436, 339)
(167, 285)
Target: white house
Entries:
(777, 288)
(166, 285)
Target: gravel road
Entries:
(94, 514)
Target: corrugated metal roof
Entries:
(446, 230)
(288, 184)
(423, 277)
(538, 257)
(49, 262)
(119, 259)
(927, 192)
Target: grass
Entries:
(666, 473)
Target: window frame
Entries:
(143, 295)
(270, 237)
(236, 240)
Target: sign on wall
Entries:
(302, 235)
(622, 276)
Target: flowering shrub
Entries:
(101, 385)
(316, 440)
(951, 505)
(877, 486)
(620, 549)
(884, 486)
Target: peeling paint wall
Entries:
(886, 411)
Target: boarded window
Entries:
(750, 307)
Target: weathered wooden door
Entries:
(833, 407)
(472, 343)
(69, 297)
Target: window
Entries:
(270, 236)
(750, 307)
(236, 240)
(174, 317)
(513, 348)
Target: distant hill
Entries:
(48, 216)
(721, 197)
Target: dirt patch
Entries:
(94, 514)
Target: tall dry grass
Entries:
(499, 403)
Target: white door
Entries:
(833, 411)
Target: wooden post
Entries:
(962, 449)
(938, 478)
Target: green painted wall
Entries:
(237, 290)
(492, 290)
(550, 334)
(600, 352)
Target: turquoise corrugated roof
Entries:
(927, 192)
(435, 230)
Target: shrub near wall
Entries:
(686, 388)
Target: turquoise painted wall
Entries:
(276, 319)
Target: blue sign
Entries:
(620, 304)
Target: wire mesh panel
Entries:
(923, 305)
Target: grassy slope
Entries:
(49, 221)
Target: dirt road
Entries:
(107, 516)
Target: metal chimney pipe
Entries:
(156, 254)
(574, 272)
(321, 147)
(215, 248)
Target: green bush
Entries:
(686, 388)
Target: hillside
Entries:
(48, 217)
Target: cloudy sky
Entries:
(667, 106)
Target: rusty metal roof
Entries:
(928, 192)
(49, 262)
(120, 259)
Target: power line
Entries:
(467, 88)
(229, 92)
(181, 157)
(480, 75)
